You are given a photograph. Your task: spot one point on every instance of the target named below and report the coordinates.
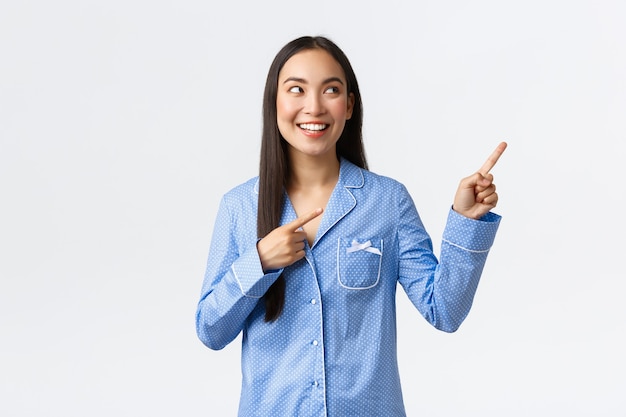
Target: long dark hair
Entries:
(274, 170)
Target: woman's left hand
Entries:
(476, 194)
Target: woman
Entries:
(305, 259)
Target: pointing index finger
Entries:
(493, 158)
(302, 220)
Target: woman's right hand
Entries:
(285, 245)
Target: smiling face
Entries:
(312, 103)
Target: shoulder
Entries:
(382, 180)
(247, 191)
(356, 177)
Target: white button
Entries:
(313, 301)
(315, 383)
(315, 343)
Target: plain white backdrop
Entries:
(123, 122)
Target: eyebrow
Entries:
(303, 81)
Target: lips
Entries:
(313, 127)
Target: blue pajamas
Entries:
(332, 352)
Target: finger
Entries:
(476, 181)
(297, 256)
(298, 236)
(299, 246)
(493, 158)
(491, 200)
(484, 194)
(301, 221)
(482, 183)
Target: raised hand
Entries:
(476, 194)
(285, 244)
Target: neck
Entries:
(308, 172)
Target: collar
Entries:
(350, 176)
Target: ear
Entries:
(350, 106)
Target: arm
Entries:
(443, 292)
(464, 249)
(235, 278)
(233, 284)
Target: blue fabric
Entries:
(333, 350)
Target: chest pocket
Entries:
(359, 262)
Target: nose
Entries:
(314, 104)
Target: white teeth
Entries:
(312, 126)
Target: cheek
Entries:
(340, 109)
(284, 109)
(283, 117)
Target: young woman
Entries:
(305, 259)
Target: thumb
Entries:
(474, 180)
(477, 181)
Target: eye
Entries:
(332, 90)
(296, 90)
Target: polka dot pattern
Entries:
(333, 350)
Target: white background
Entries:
(123, 122)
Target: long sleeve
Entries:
(335, 341)
(233, 282)
(443, 290)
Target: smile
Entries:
(315, 127)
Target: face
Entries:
(312, 103)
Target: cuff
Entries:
(470, 234)
(250, 277)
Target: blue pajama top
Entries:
(332, 352)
